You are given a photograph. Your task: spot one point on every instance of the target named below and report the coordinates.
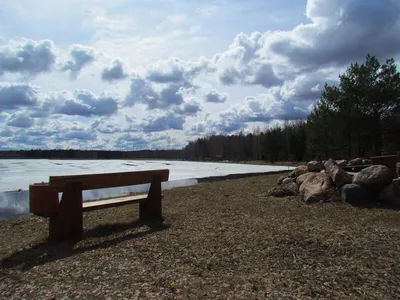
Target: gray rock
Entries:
(356, 195)
(300, 170)
(390, 195)
(280, 179)
(288, 180)
(337, 174)
(374, 178)
(316, 187)
(398, 169)
(314, 166)
(284, 190)
(292, 174)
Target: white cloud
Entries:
(115, 72)
(17, 95)
(19, 119)
(27, 57)
(214, 96)
(142, 91)
(81, 56)
(189, 108)
(175, 70)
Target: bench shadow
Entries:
(46, 252)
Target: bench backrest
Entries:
(108, 180)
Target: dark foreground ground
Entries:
(221, 240)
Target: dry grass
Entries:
(222, 240)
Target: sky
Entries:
(139, 74)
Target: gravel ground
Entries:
(221, 240)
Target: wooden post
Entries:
(151, 209)
(43, 201)
(68, 223)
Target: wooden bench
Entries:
(66, 216)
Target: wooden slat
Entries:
(113, 202)
(108, 180)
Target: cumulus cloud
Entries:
(305, 87)
(115, 72)
(20, 119)
(148, 141)
(215, 126)
(27, 57)
(162, 122)
(81, 56)
(70, 131)
(340, 32)
(79, 103)
(132, 142)
(264, 109)
(243, 63)
(189, 108)
(214, 96)
(175, 70)
(16, 95)
(155, 122)
(78, 135)
(142, 91)
(7, 132)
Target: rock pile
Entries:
(327, 181)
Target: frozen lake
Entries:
(17, 174)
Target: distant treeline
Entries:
(274, 144)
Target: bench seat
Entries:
(112, 202)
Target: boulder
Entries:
(341, 163)
(288, 180)
(284, 190)
(356, 162)
(292, 174)
(315, 166)
(302, 178)
(300, 170)
(374, 178)
(316, 187)
(336, 173)
(356, 195)
(398, 169)
(280, 179)
(390, 195)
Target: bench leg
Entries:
(151, 209)
(68, 223)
